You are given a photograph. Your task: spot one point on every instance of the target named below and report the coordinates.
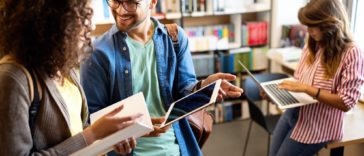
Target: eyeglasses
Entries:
(128, 5)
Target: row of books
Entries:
(171, 9)
(204, 38)
(204, 64)
(167, 6)
(253, 58)
(218, 37)
(206, 6)
(227, 61)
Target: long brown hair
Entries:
(48, 35)
(331, 18)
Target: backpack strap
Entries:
(7, 59)
(33, 92)
(172, 30)
(35, 104)
(200, 122)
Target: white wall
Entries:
(284, 12)
(359, 24)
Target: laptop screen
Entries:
(250, 74)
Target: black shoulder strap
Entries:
(34, 107)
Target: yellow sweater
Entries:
(72, 97)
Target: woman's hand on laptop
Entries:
(263, 94)
(226, 88)
(293, 86)
(157, 130)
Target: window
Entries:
(357, 24)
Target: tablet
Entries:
(192, 103)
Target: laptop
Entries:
(281, 97)
(192, 103)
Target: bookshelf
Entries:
(220, 33)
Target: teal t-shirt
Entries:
(145, 79)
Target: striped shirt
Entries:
(319, 122)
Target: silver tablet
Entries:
(192, 103)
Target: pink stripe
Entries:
(332, 124)
(308, 120)
(303, 133)
(321, 131)
(314, 127)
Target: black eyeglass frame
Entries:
(128, 5)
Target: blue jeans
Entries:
(283, 145)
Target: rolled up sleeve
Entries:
(352, 77)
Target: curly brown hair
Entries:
(331, 18)
(47, 35)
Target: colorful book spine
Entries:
(256, 33)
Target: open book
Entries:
(132, 105)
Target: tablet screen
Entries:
(193, 102)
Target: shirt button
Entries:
(124, 48)
(126, 71)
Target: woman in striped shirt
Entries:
(331, 71)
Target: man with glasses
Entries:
(137, 55)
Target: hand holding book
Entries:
(108, 124)
(117, 126)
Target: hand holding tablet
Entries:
(156, 126)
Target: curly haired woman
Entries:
(48, 38)
(331, 71)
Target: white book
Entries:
(285, 54)
(260, 60)
(210, 6)
(194, 6)
(173, 6)
(132, 105)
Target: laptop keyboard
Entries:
(284, 97)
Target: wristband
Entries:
(197, 86)
(318, 93)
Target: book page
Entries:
(132, 105)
